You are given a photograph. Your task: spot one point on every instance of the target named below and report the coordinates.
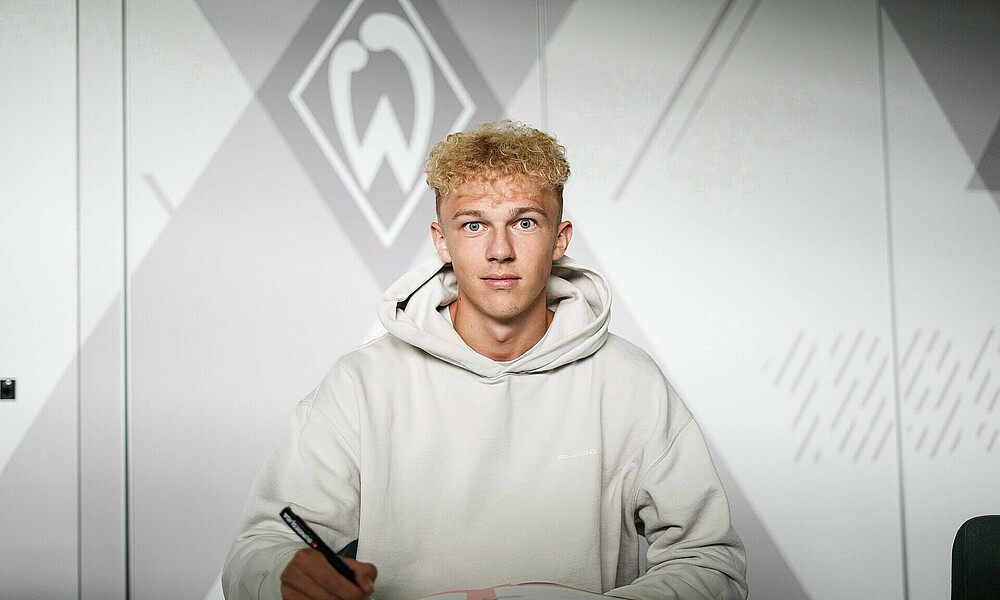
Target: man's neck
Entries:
(497, 341)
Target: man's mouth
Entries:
(501, 282)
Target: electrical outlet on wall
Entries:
(7, 389)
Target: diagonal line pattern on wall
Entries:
(647, 140)
(909, 349)
(982, 351)
(843, 419)
(691, 89)
(707, 88)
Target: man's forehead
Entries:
(500, 188)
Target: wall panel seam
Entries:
(79, 311)
(126, 307)
(891, 276)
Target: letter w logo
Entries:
(357, 157)
(384, 139)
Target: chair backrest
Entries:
(975, 560)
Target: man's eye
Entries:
(525, 223)
(473, 227)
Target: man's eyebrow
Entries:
(517, 212)
(469, 213)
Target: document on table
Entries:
(524, 591)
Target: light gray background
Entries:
(798, 205)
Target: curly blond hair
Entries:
(496, 150)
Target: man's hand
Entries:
(310, 577)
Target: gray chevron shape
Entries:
(956, 50)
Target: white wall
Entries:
(38, 299)
(784, 195)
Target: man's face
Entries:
(501, 238)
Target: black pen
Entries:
(309, 537)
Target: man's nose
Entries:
(500, 247)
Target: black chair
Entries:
(975, 560)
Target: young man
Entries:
(498, 433)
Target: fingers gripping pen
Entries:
(309, 537)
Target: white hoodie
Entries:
(458, 472)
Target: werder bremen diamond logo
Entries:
(361, 95)
(384, 140)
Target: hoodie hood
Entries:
(414, 310)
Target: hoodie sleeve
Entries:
(314, 469)
(679, 504)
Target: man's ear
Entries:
(563, 236)
(437, 235)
